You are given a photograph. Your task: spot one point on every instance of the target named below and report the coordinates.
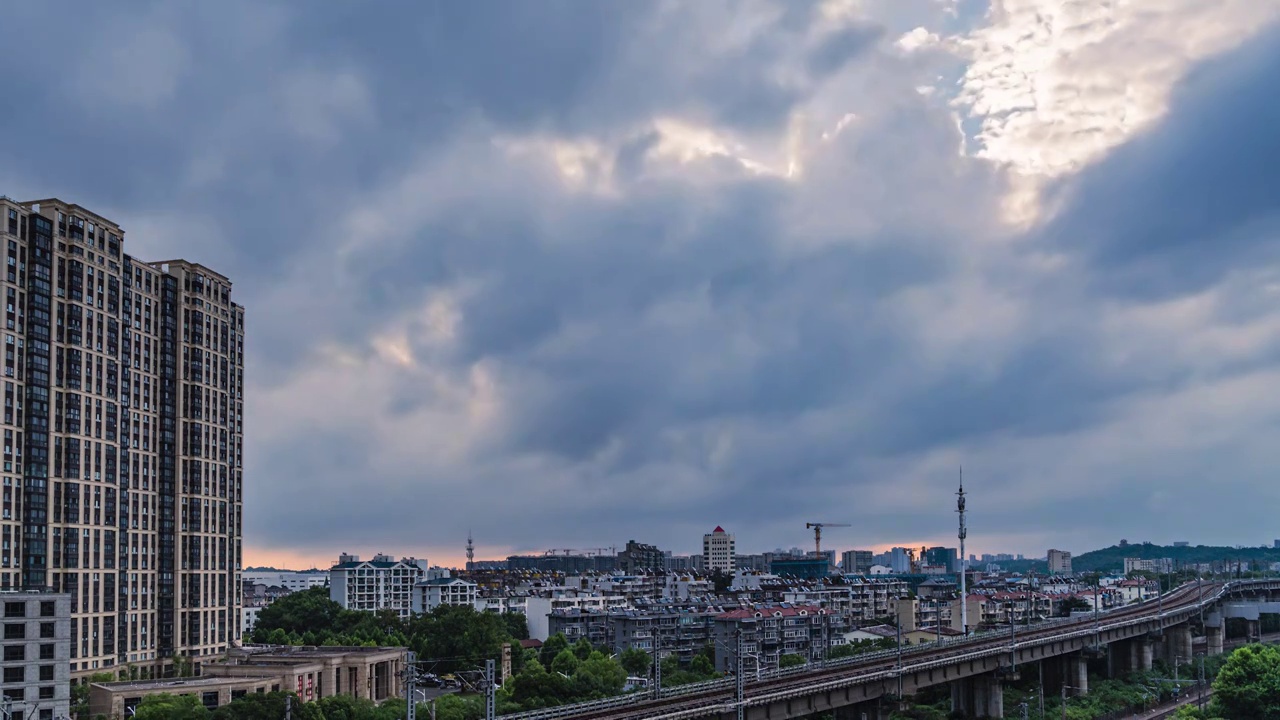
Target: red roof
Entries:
(718, 529)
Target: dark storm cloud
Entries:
(447, 332)
(1195, 198)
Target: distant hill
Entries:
(1112, 558)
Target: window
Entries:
(13, 653)
(47, 608)
(15, 609)
(15, 631)
(46, 673)
(46, 630)
(47, 651)
(15, 674)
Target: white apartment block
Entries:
(382, 583)
(718, 550)
(432, 593)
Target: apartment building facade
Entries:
(123, 424)
(1059, 562)
(36, 653)
(431, 593)
(382, 583)
(718, 551)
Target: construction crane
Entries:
(817, 534)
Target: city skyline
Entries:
(569, 271)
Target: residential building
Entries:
(432, 593)
(671, 631)
(758, 562)
(37, 653)
(767, 633)
(857, 562)
(382, 583)
(290, 581)
(805, 568)
(1059, 562)
(718, 551)
(312, 672)
(639, 557)
(946, 558)
(900, 559)
(1157, 565)
(124, 396)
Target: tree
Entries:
(170, 707)
(1072, 604)
(582, 649)
(299, 612)
(1248, 685)
(566, 663)
(701, 665)
(721, 581)
(517, 625)
(342, 707)
(790, 660)
(459, 632)
(536, 688)
(551, 648)
(271, 706)
(635, 661)
(598, 677)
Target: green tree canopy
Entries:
(790, 660)
(566, 663)
(582, 649)
(170, 707)
(635, 661)
(302, 611)
(1248, 685)
(551, 648)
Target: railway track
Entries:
(688, 702)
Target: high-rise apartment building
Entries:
(1059, 562)
(856, 561)
(718, 551)
(123, 406)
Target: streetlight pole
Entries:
(899, 654)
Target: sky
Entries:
(562, 273)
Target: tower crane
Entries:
(817, 534)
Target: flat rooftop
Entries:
(179, 684)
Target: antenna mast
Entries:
(964, 559)
(471, 552)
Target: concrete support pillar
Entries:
(1078, 673)
(1146, 654)
(980, 697)
(1253, 630)
(995, 699)
(962, 696)
(1213, 640)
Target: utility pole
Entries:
(6, 709)
(964, 560)
(410, 685)
(899, 656)
(739, 675)
(1200, 690)
(489, 692)
(1013, 639)
(1040, 665)
(288, 707)
(657, 669)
